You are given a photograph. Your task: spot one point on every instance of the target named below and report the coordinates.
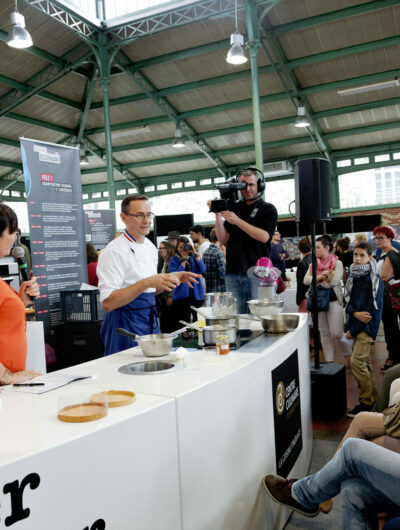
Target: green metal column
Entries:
(104, 67)
(253, 32)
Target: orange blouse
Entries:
(13, 343)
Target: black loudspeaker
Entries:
(166, 223)
(78, 342)
(328, 391)
(312, 189)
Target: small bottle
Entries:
(222, 345)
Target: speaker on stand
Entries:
(313, 205)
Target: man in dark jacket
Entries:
(364, 297)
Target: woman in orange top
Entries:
(13, 345)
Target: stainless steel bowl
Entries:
(155, 345)
(265, 306)
(282, 323)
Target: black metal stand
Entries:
(314, 302)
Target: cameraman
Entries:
(186, 259)
(247, 233)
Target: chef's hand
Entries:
(189, 278)
(27, 289)
(164, 282)
(230, 217)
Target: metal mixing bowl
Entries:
(280, 323)
(265, 306)
(156, 345)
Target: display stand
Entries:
(328, 380)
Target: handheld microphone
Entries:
(19, 254)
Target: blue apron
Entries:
(139, 317)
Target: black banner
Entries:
(99, 227)
(287, 414)
(54, 197)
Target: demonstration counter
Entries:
(189, 454)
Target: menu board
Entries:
(54, 198)
(100, 227)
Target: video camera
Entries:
(229, 192)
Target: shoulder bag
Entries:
(323, 299)
(392, 420)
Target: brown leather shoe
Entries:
(326, 506)
(280, 490)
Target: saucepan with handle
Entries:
(155, 344)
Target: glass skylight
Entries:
(120, 11)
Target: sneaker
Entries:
(361, 407)
(279, 489)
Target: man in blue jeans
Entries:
(367, 476)
(246, 232)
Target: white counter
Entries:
(190, 453)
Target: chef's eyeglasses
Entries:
(142, 216)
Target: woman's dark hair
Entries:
(343, 243)
(385, 230)
(182, 239)
(326, 241)
(304, 245)
(365, 246)
(8, 218)
(91, 253)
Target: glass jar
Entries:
(222, 345)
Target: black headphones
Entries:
(260, 177)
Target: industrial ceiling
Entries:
(143, 77)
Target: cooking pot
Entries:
(211, 320)
(210, 333)
(154, 345)
(282, 323)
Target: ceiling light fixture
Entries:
(18, 37)
(178, 141)
(236, 53)
(302, 120)
(83, 158)
(369, 88)
(136, 130)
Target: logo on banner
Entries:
(287, 414)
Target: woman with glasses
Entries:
(164, 299)
(186, 259)
(383, 236)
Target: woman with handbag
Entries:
(388, 269)
(330, 294)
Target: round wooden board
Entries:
(116, 398)
(82, 412)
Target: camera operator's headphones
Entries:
(254, 171)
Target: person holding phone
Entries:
(189, 260)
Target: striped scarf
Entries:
(357, 271)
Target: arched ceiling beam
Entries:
(332, 16)
(41, 80)
(166, 107)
